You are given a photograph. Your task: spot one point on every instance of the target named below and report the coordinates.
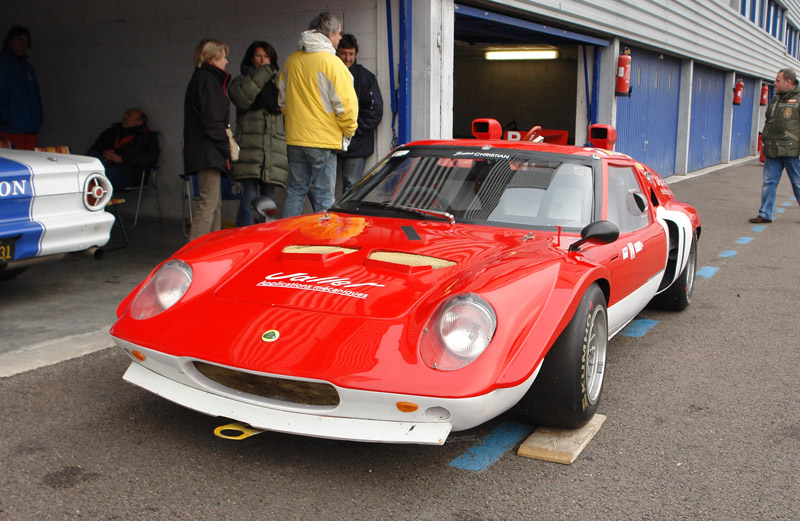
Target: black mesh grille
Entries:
(293, 391)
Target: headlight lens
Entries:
(166, 288)
(463, 328)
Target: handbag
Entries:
(234, 146)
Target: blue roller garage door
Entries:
(647, 121)
(743, 121)
(705, 129)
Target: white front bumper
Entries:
(290, 422)
(360, 416)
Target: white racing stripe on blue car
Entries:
(16, 209)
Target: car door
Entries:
(641, 246)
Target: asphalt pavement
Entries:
(703, 421)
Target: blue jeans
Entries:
(773, 168)
(352, 171)
(312, 173)
(251, 187)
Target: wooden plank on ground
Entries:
(560, 445)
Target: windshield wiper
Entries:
(436, 214)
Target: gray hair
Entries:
(325, 23)
(789, 75)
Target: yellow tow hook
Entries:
(235, 431)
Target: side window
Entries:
(627, 205)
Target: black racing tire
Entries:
(10, 273)
(678, 296)
(567, 390)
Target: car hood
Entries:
(346, 265)
(350, 297)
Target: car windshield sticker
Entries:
(306, 282)
(400, 153)
(493, 155)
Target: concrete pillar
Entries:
(432, 69)
(684, 118)
(607, 100)
(727, 117)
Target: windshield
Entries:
(500, 187)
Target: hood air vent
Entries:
(410, 259)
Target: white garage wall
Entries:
(96, 58)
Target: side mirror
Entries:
(264, 206)
(603, 231)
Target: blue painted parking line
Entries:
(638, 328)
(728, 253)
(759, 228)
(492, 448)
(707, 272)
(744, 240)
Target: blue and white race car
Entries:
(50, 204)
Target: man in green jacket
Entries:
(781, 141)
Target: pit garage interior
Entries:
(519, 94)
(564, 93)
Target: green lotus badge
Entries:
(270, 336)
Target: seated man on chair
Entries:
(126, 148)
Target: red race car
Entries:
(457, 280)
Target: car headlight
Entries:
(161, 292)
(458, 332)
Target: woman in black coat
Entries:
(206, 149)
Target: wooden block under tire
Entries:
(560, 445)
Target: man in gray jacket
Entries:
(781, 139)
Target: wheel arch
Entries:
(680, 229)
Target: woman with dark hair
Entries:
(206, 149)
(260, 133)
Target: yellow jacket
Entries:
(317, 96)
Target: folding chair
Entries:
(147, 179)
(188, 194)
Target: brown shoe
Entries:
(760, 220)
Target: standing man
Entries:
(370, 113)
(781, 138)
(20, 101)
(321, 109)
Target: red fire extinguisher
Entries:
(764, 94)
(624, 73)
(738, 92)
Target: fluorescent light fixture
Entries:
(523, 54)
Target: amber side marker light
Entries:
(407, 406)
(138, 355)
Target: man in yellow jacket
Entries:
(320, 107)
